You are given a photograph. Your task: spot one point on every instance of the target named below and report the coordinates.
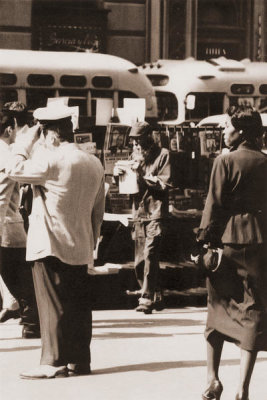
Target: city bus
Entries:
(190, 90)
(32, 77)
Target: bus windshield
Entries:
(167, 106)
(205, 104)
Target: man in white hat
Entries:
(67, 212)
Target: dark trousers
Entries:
(63, 299)
(147, 250)
(17, 275)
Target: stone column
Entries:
(191, 29)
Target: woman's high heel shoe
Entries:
(214, 391)
(244, 397)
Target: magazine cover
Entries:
(210, 141)
(116, 146)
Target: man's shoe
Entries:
(45, 372)
(134, 292)
(145, 305)
(145, 309)
(79, 369)
(6, 314)
(30, 334)
(158, 306)
(158, 303)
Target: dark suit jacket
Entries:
(236, 208)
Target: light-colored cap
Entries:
(52, 113)
(140, 129)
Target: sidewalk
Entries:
(134, 357)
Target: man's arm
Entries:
(98, 211)
(213, 216)
(6, 189)
(160, 181)
(22, 169)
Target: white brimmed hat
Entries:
(52, 113)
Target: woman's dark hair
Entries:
(6, 121)
(246, 120)
(18, 110)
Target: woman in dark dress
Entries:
(235, 219)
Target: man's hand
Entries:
(151, 178)
(118, 171)
(27, 138)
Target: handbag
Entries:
(210, 258)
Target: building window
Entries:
(222, 29)
(176, 34)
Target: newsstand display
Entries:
(192, 152)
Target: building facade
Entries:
(138, 30)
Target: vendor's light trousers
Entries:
(63, 299)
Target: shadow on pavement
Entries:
(119, 335)
(145, 323)
(19, 348)
(160, 366)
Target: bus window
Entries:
(102, 81)
(73, 80)
(77, 97)
(263, 105)
(99, 94)
(102, 94)
(7, 95)
(38, 97)
(263, 88)
(158, 80)
(206, 104)
(81, 103)
(7, 79)
(242, 88)
(123, 94)
(241, 101)
(167, 106)
(40, 80)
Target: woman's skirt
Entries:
(237, 297)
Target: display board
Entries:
(116, 146)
